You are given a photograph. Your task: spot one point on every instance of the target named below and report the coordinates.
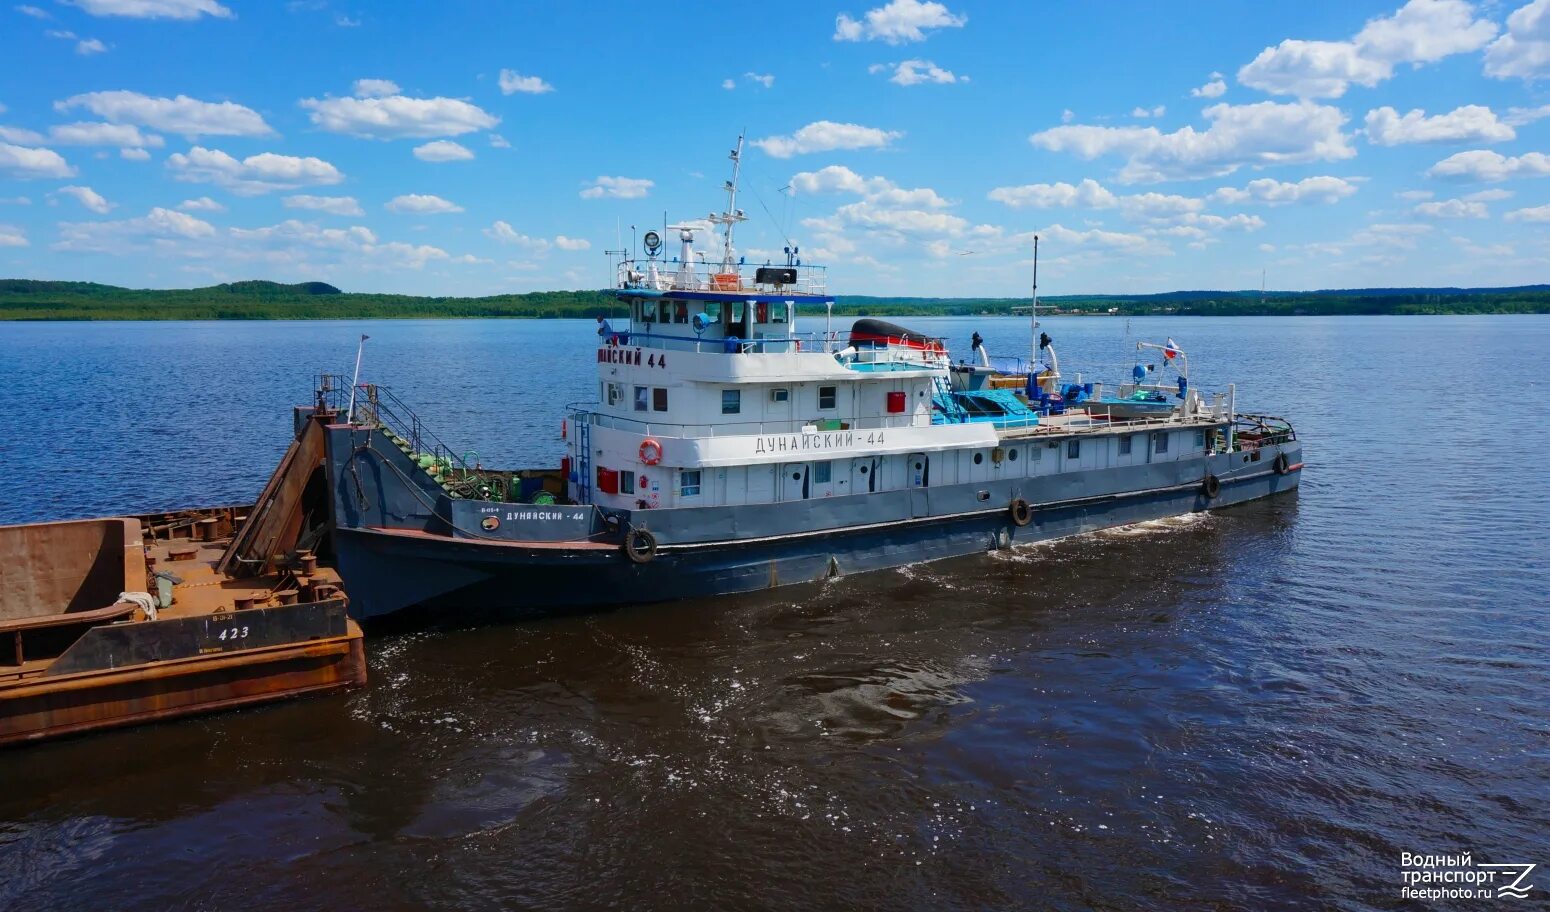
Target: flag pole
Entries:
(349, 416)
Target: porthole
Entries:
(979, 458)
(1011, 455)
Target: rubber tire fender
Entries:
(1021, 512)
(1211, 486)
(1282, 465)
(640, 546)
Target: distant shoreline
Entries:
(30, 300)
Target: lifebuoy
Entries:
(1211, 486)
(1022, 513)
(640, 546)
(650, 451)
(1281, 465)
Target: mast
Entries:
(1033, 310)
(732, 215)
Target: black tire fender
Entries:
(1282, 465)
(1021, 512)
(640, 546)
(1211, 486)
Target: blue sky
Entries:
(469, 148)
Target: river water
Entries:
(1259, 708)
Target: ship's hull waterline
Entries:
(390, 570)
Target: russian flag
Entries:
(1172, 351)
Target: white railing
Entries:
(675, 275)
(759, 428)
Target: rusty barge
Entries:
(123, 620)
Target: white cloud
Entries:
(1141, 112)
(89, 198)
(333, 205)
(1266, 133)
(1214, 88)
(1422, 31)
(503, 232)
(1517, 117)
(33, 11)
(1096, 237)
(15, 201)
(88, 46)
(1485, 165)
(1414, 195)
(138, 155)
(201, 204)
(512, 82)
(1534, 214)
(253, 175)
(153, 9)
(618, 188)
(1271, 192)
(21, 136)
(442, 150)
(1088, 194)
(826, 136)
(765, 79)
(104, 134)
(128, 235)
(1470, 123)
(291, 240)
(24, 162)
(1523, 51)
(729, 84)
(12, 236)
(398, 116)
(897, 22)
(422, 204)
(878, 190)
(182, 115)
(915, 72)
(375, 88)
(1453, 208)
(498, 141)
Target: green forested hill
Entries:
(26, 299)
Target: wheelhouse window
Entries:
(731, 402)
(826, 397)
(780, 313)
(1073, 449)
(1124, 445)
(1161, 446)
(822, 472)
(681, 312)
(615, 394)
(658, 399)
(689, 483)
(780, 395)
(1200, 439)
(642, 399)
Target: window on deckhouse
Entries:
(731, 402)
(658, 399)
(826, 397)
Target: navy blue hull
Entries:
(386, 571)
